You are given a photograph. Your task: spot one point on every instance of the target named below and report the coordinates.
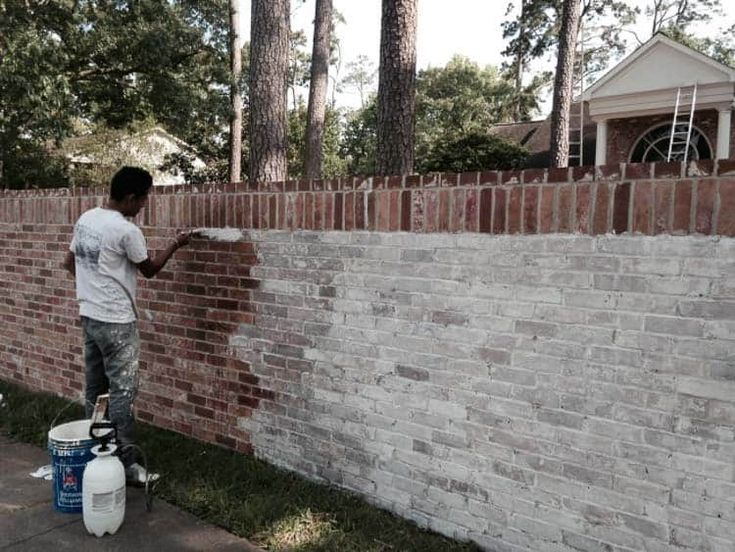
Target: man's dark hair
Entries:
(130, 180)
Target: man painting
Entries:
(106, 252)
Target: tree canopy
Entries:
(456, 106)
(77, 67)
(459, 99)
(90, 63)
(533, 33)
(675, 18)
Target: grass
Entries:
(275, 509)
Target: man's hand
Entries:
(150, 267)
(182, 238)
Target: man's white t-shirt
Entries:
(107, 248)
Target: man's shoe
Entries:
(136, 475)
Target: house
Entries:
(93, 158)
(536, 137)
(628, 113)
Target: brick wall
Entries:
(559, 389)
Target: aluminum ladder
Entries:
(576, 135)
(681, 125)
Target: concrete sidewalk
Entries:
(29, 523)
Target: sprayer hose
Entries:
(148, 487)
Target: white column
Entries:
(723, 133)
(601, 144)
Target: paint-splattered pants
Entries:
(111, 357)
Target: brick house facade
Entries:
(623, 134)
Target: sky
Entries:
(445, 27)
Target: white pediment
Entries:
(660, 63)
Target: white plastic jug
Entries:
(103, 492)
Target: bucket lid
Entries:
(72, 433)
(75, 431)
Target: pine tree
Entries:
(563, 83)
(397, 87)
(235, 97)
(535, 31)
(269, 49)
(316, 110)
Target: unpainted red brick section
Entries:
(198, 387)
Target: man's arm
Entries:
(69, 263)
(150, 267)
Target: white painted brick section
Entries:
(529, 393)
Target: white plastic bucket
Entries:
(70, 448)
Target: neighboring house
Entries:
(96, 156)
(536, 137)
(629, 111)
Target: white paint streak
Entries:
(226, 234)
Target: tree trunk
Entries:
(397, 88)
(316, 111)
(235, 97)
(519, 64)
(563, 84)
(269, 33)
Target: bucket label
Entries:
(69, 480)
(68, 467)
(68, 483)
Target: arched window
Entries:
(654, 146)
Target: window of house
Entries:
(653, 145)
